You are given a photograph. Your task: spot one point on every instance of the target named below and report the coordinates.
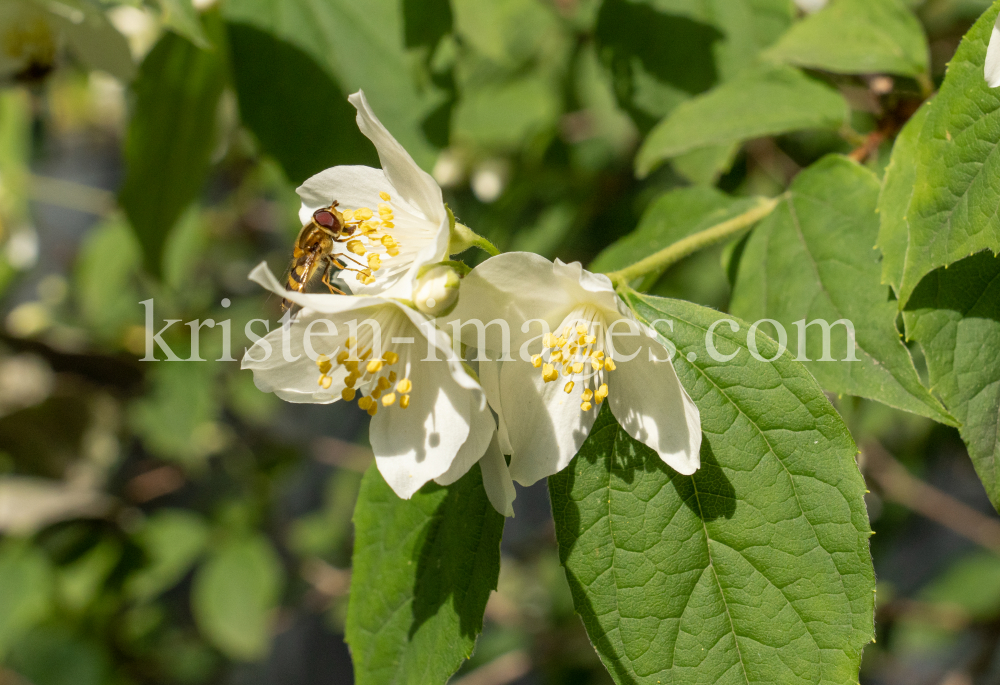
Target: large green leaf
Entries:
(674, 215)
(170, 138)
(857, 37)
(812, 258)
(299, 114)
(360, 45)
(758, 104)
(754, 570)
(955, 315)
(949, 152)
(423, 570)
(235, 596)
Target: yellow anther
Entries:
(556, 357)
(364, 402)
(363, 213)
(351, 379)
(568, 370)
(569, 387)
(356, 247)
(383, 383)
(595, 365)
(374, 366)
(388, 241)
(376, 393)
(326, 382)
(369, 227)
(348, 394)
(348, 215)
(585, 406)
(351, 366)
(404, 386)
(581, 329)
(590, 339)
(404, 401)
(385, 196)
(367, 353)
(384, 209)
(609, 364)
(549, 340)
(561, 341)
(321, 358)
(343, 356)
(374, 262)
(578, 367)
(388, 224)
(388, 399)
(390, 357)
(350, 342)
(536, 360)
(324, 365)
(598, 355)
(587, 395)
(393, 251)
(602, 392)
(392, 376)
(549, 373)
(582, 340)
(373, 409)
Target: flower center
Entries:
(578, 352)
(369, 379)
(372, 241)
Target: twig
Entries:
(898, 485)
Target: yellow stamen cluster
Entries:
(573, 352)
(370, 243)
(366, 375)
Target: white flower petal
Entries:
(496, 479)
(548, 426)
(991, 69)
(480, 434)
(351, 186)
(411, 182)
(417, 444)
(650, 404)
(489, 379)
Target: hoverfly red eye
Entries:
(325, 219)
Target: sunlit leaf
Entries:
(423, 570)
(813, 259)
(754, 570)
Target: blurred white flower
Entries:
(489, 180)
(586, 347)
(398, 213)
(991, 69)
(810, 6)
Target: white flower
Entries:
(991, 69)
(810, 6)
(430, 417)
(398, 211)
(596, 351)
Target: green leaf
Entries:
(423, 570)
(170, 139)
(674, 215)
(181, 17)
(857, 37)
(25, 591)
(703, 166)
(955, 316)
(950, 154)
(92, 38)
(812, 258)
(758, 104)
(754, 570)
(172, 539)
(358, 46)
(273, 78)
(235, 595)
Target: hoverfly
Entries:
(314, 250)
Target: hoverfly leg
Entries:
(326, 279)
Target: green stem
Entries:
(672, 254)
(463, 237)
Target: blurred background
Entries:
(168, 523)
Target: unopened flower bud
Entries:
(437, 291)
